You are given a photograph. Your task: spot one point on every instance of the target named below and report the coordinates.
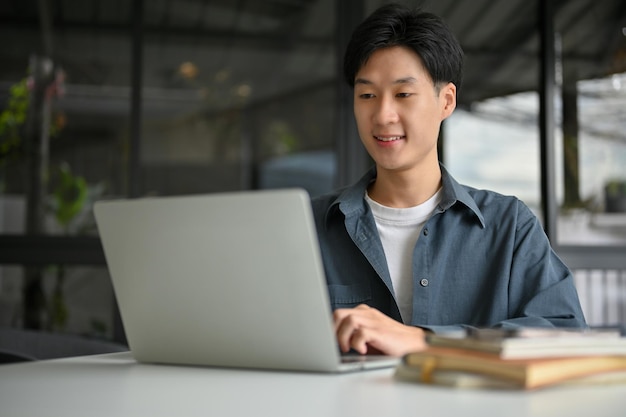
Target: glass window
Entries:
(235, 104)
(70, 299)
(495, 145)
(493, 142)
(228, 102)
(83, 105)
(591, 73)
(234, 96)
(594, 163)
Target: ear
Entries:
(447, 98)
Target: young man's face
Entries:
(398, 110)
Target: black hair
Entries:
(424, 33)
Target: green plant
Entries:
(615, 188)
(12, 119)
(69, 195)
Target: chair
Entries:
(19, 345)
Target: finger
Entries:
(339, 315)
(363, 311)
(345, 326)
(359, 340)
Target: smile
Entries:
(388, 139)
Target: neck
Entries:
(404, 189)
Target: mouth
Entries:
(388, 138)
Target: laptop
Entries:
(229, 279)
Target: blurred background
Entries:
(131, 98)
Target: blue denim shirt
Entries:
(481, 260)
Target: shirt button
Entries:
(424, 282)
(425, 232)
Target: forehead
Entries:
(393, 63)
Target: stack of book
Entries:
(522, 358)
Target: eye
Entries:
(366, 96)
(403, 95)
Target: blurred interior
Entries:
(133, 98)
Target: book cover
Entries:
(535, 343)
(469, 368)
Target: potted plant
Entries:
(615, 196)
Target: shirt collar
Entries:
(454, 192)
(351, 202)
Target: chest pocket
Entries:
(346, 296)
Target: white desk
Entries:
(115, 385)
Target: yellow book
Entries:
(469, 368)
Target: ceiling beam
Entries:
(265, 39)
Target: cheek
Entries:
(360, 115)
(358, 107)
(422, 122)
(427, 113)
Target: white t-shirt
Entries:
(399, 229)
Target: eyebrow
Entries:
(405, 80)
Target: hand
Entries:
(367, 330)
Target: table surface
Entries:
(116, 385)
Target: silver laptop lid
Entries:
(230, 279)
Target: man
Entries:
(407, 249)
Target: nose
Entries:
(385, 112)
